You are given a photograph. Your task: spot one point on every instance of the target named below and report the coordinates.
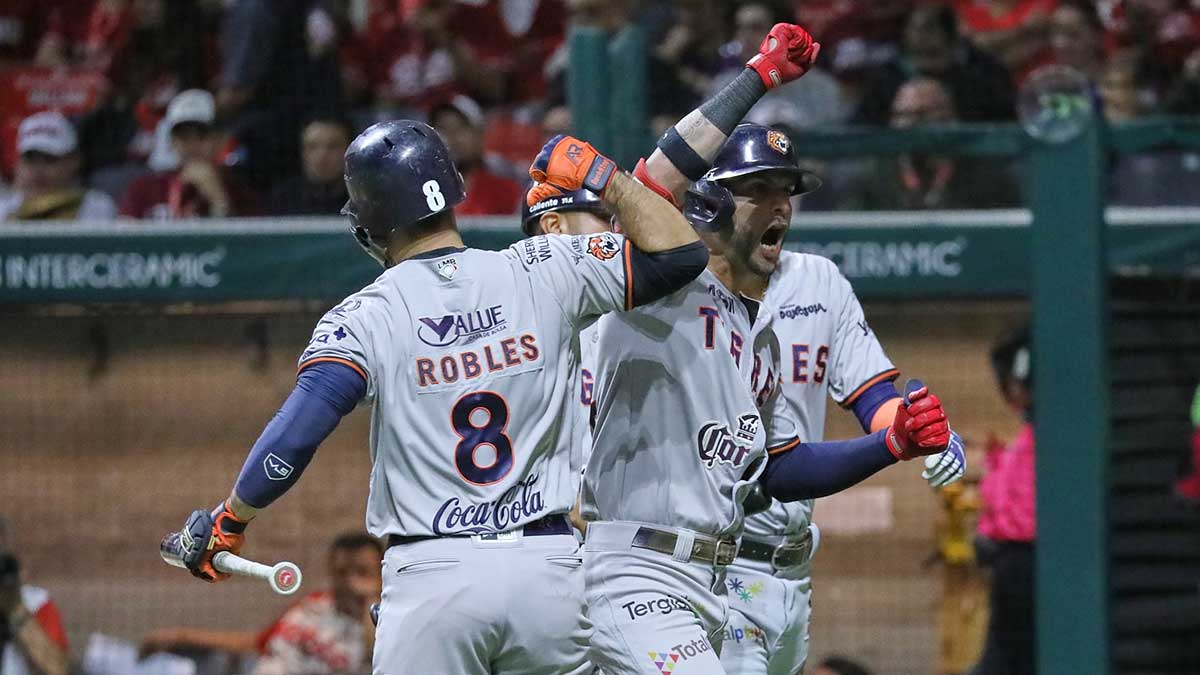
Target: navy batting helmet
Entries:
(575, 200)
(397, 174)
(751, 148)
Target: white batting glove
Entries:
(947, 466)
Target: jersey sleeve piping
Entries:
(357, 368)
(783, 448)
(889, 374)
(628, 253)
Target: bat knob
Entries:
(285, 578)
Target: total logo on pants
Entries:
(668, 660)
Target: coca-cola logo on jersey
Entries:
(717, 443)
(516, 504)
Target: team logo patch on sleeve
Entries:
(276, 468)
(778, 142)
(603, 247)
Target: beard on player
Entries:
(761, 219)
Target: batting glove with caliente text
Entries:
(567, 163)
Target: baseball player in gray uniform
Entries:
(769, 634)
(469, 361)
(687, 410)
(829, 350)
(578, 212)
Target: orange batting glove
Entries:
(567, 163)
(207, 533)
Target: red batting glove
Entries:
(785, 54)
(920, 427)
(570, 164)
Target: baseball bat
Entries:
(283, 577)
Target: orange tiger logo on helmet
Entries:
(778, 142)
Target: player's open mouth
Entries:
(774, 235)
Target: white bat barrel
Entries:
(284, 577)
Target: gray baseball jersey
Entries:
(828, 351)
(472, 366)
(679, 439)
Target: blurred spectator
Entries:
(23, 23)
(980, 86)
(1077, 37)
(199, 187)
(511, 40)
(319, 189)
(324, 632)
(812, 101)
(1015, 31)
(280, 57)
(840, 665)
(460, 121)
(411, 54)
(46, 185)
(165, 48)
(691, 48)
(1188, 487)
(1008, 520)
(1184, 96)
(930, 181)
(32, 639)
(1165, 177)
(860, 36)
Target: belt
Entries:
(552, 524)
(714, 551)
(786, 555)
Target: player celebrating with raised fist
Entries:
(469, 361)
(687, 409)
(827, 349)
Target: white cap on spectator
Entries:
(465, 106)
(47, 132)
(193, 105)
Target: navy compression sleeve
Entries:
(325, 392)
(868, 402)
(656, 275)
(812, 470)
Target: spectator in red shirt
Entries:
(1008, 521)
(326, 632)
(410, 56)
(199, 187)
(32, 639)
(1015, 31)
(461, 122)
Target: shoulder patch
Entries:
(603, 247)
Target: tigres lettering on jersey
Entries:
(828, 350)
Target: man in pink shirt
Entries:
(1008, 520)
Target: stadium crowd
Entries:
(194, 108)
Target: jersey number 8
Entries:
(477, 432)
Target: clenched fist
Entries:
(786, 54)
